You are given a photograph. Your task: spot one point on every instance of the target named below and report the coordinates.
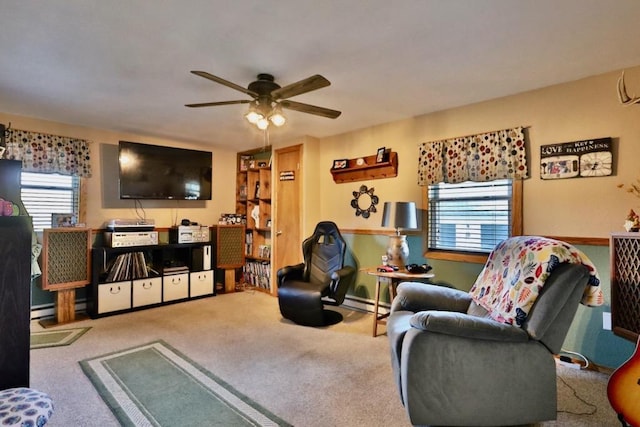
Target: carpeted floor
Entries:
(333, 376)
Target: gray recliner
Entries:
(455, 365)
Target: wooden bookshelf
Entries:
(253, 195)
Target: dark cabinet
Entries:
(138, 277)
(15, 300)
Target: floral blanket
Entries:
(515, 273)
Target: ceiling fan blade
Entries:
(303, 86)
(213, 104)
(311, 109)
(225, 82)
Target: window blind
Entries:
(43, 194)
(469, 216)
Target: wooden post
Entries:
(66, 305)
(229, 280)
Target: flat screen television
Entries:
(160, 173)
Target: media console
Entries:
(132, 278)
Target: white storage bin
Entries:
(175, 286)
(147, 291)
(201, 283)
(114, 296)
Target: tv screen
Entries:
(157, 172)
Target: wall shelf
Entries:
(370, 170)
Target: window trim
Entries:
(447, 255)
(82, 200)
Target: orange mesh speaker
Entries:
(625, 284)
(66, 258)
(229, 252)
(229, 246)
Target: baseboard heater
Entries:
(364, 304)
(49, 310)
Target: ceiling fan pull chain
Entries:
(266, 138)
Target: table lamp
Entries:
(399, 215)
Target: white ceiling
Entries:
(125, 65)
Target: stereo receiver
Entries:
(123, 239)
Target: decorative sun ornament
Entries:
(364, 201)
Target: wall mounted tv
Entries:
(157, 172)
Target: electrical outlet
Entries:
(567, 362)
(571, 365)
(606, 321)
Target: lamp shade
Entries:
(399, 215)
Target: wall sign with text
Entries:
(588, 158)
(287, 175)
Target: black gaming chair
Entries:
(303, 289)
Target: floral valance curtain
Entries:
(44, 153)
(483, 157)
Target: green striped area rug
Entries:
(54, 338)
(156, 385)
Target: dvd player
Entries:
(119, 224)
(189, 234)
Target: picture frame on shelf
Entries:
(340, 164)
(59, 220)
(381, 155)
(242, 193)
(244, 162)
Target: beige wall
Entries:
(584, 109)
(102, 202)
(579, 110)
(336, 198)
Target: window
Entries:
(44, 194)
(472, 217)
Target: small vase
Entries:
(398, 251)
(630, 226)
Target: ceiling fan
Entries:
(269, 97)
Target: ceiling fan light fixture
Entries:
(276, 117)
(262, 123)
(253, 115)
